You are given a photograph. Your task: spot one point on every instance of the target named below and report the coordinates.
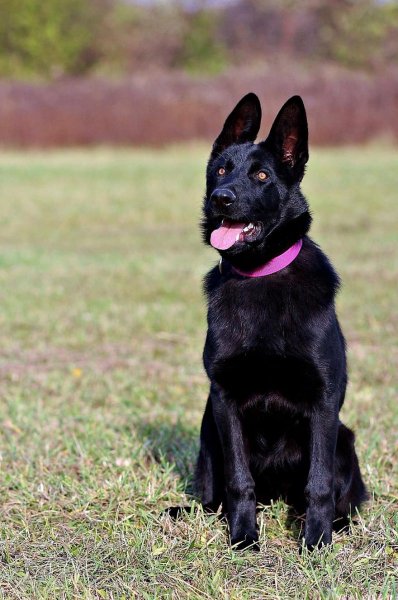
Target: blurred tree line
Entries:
(47, 38)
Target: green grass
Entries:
(102, 324)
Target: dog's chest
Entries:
(252, 318)
(259, 342)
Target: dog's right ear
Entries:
(241, 126)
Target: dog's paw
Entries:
(248, 541)
(310, 547)
(317, 531)
(176, 512)
(314, 540)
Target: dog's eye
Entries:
(262, 175)
(221, 171)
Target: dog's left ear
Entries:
(288, 138)
(242, 124)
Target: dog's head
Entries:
(254, 208)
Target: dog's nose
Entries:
(223, 197)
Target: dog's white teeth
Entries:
(237, 237)
(248, 228)
(222, 222)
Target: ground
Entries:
(102, 324)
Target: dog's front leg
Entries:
(320, 486)
(239, 483)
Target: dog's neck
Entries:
(275, 264)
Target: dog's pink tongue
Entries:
(225, 236)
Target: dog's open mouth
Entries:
(231, 232)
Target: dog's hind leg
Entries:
(209, 476)
(350, 489)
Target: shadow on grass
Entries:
(173, 444)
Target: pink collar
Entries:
(275, 264)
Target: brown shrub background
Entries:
(343, 107)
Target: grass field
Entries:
(102, 324)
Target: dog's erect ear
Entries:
(241, 126)
(288, 138)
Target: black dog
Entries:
(274, 353)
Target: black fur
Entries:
(274, 353)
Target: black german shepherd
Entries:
(274, 353)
